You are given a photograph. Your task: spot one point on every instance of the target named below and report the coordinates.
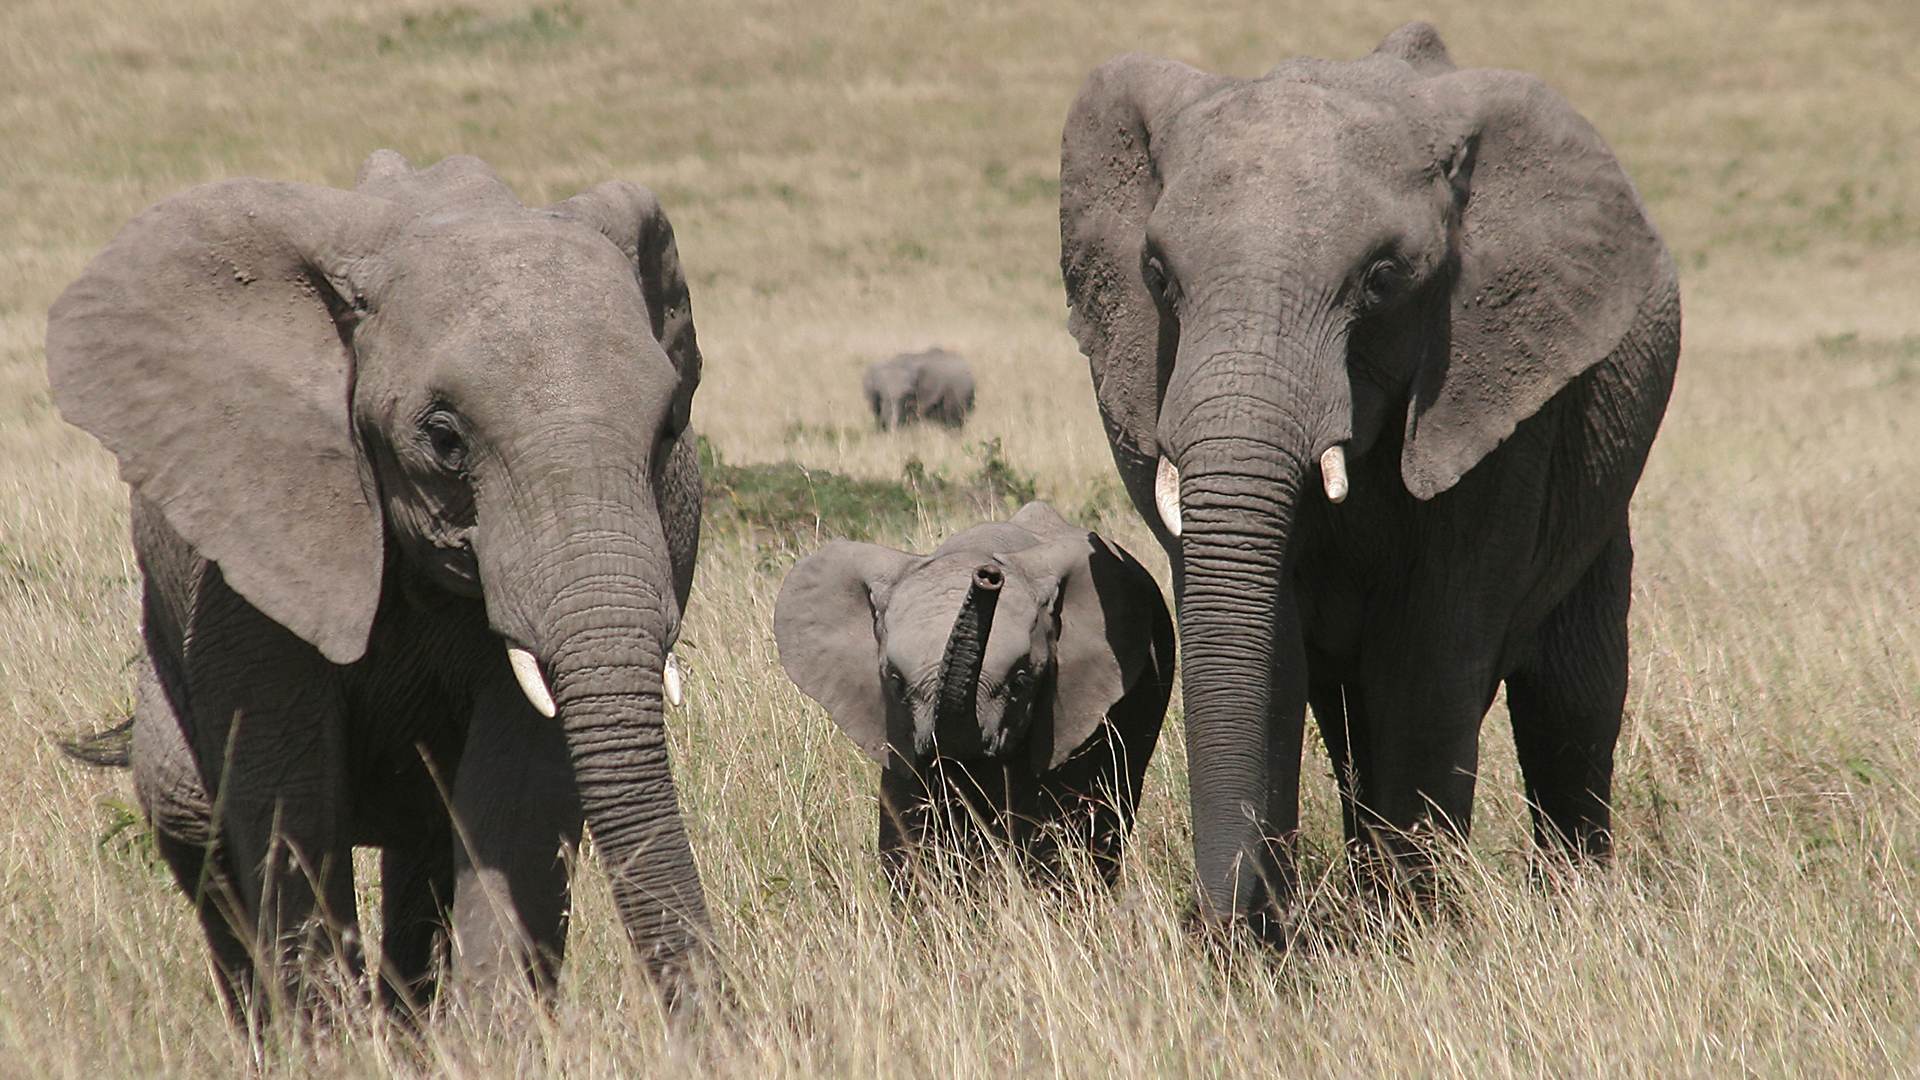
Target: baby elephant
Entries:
(932, 385)
(1015, 678)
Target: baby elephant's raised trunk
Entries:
(957, 717)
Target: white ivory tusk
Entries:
(1333, 473)
(532, 683)
(672, 682)
(1166, 495)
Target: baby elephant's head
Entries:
(969, 653)
(966, 648)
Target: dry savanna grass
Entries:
(855, 177)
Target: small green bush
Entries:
(785, 502)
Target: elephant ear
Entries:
(824, 624)
(1114, 628)
(1557, 259)
(1108, 187)
(631, 217)
(1419, 45)
(207, 347)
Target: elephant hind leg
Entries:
(1566, 700)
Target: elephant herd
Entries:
(1380, 348)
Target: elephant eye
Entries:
(1154, 273)
(445, 439)
(1022, 681)
(898, 684)
(1384, 276)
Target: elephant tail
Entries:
(109, 749)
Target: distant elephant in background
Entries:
(1017, 676)
(416, 508)
(933, 385)
(1381, 348)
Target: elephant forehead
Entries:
(1302, 136)
(920, 614)
(508, 257)
(549, 306)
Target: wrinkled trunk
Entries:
(598, 609)
(957, 712)
(1246, 412)
(1243, 676)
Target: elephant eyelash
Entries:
(1154, 273)
(1383, 277)
(445, 440)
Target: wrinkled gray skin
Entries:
(1017, 677)
(1447, 274)
(374, 439)
(933, 385)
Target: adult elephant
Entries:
(1381, 347)
(416, 509)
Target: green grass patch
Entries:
(787, 503)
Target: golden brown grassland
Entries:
(856, 177)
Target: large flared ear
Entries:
(631, 217)
(1114, 629)
(1109, 183)
(207, 347)
(825, 626)
(1557, 261)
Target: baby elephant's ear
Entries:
(1114, 629)
(824, 623)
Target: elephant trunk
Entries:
(1246, 416)
(1242, 673)
(956, 714)
(596, 605)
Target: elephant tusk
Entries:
(672, 682)
(1166, 495)
(532, 683)
(1333, 473)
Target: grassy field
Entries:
(854, 178)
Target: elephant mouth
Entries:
(533, 681)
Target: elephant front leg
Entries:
(517, 820)
(416, 898)
(1413, 727)
(1343, 732)
(265, 714)
(1566, 700)
(903, 824)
